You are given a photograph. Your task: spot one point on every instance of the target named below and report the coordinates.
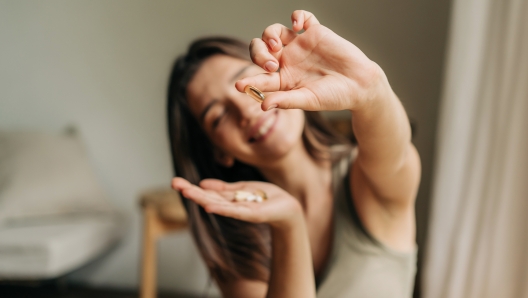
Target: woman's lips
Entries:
(263, 129)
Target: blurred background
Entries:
(103, 67)
(100, 68)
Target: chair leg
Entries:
(150, 235)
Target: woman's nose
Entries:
(248, 108)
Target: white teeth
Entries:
(264, 128)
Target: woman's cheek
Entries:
(228, 138)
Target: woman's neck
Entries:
(300, 175)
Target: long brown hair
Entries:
(231, 248)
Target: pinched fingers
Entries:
(261, 56)
(302, 19)
(277, 35)
(265, 52)
(301, 98)
(265, 82)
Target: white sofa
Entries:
(54, 216)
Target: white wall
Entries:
(103, 66)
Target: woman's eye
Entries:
(218, 118)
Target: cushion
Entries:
(44, 175)
(50, 247)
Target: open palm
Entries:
(216, 196)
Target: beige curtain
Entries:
(478, 238)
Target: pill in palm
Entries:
(261, 194)
(245, 196)
(242, 195)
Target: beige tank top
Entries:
(359, 265)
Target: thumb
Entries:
(302, 98)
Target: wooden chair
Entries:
(163, 213)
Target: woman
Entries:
(339, 220)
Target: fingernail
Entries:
(270, 66)
(272, 43)
(236, 83)
(271, 107)
(294, 23)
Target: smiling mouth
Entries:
(264, 129)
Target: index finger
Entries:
(267, 82)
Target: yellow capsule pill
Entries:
(254, 93)
(262, 194)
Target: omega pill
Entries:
(254, 93)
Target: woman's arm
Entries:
(291, 268)
(319, 70)
(386, 173)
(387, 158)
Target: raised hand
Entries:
(319, 70)
(215, 196)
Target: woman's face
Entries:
(235, 122)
